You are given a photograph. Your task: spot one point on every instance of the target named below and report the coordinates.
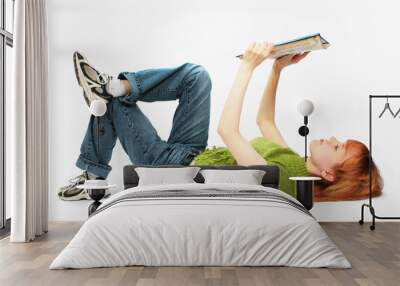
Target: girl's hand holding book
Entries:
(287, 60)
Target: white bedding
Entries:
(176, 231)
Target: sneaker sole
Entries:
(81, 196)
(75, 60)
(87, 92)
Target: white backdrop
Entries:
(127, 35)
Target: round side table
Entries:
(96, 190)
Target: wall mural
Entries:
(343, 166)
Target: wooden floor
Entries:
(375, 257)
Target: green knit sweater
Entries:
(289, 162)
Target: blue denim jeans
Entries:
(188, 83)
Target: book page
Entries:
(302, 46)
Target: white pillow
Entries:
(248, 177)
(165, 176)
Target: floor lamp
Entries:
(305, 185)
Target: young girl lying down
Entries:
(342, 165)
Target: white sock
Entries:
(91, 176)
(116, 88)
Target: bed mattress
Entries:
(201, 225)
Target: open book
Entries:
(299, 45)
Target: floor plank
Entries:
(375, 257)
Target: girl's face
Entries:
(326, 154)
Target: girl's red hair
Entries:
(351, 177)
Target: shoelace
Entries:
(75, 181)
(103, 78)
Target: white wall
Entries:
(132, 35)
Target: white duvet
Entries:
(200, 231)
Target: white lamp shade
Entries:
(98, 107)
(305, 107)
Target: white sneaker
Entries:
(93, 82)
(71, 192)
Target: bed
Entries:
(199, 224)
